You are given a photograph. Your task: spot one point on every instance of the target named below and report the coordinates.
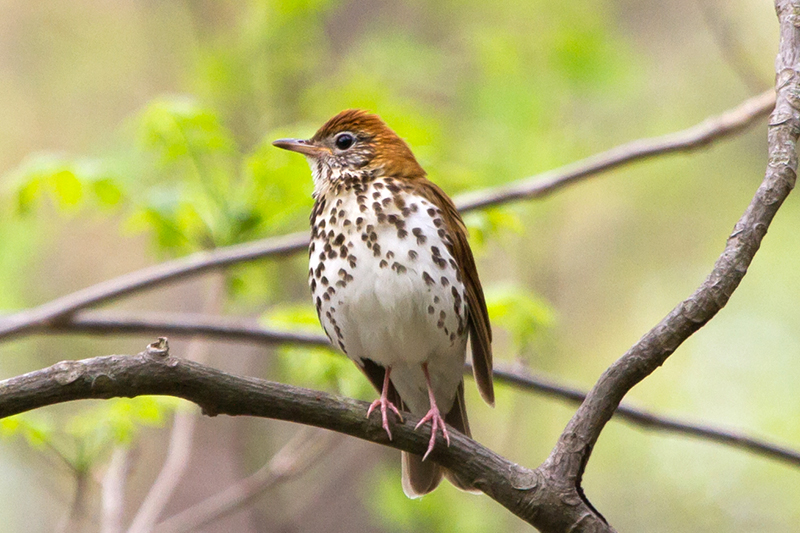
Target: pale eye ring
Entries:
(345, 140)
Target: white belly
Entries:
(395, 300)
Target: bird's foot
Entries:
(437, 423)
(385, 406)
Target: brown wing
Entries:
(480, 331)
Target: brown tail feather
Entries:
(420, 478)
(457, 417)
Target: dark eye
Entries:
(344, 141)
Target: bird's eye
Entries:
(344, 141)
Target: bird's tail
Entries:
(420, 478)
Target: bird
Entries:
(394, 281)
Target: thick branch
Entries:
(569, 457)
(520, 490)
(247, 330)
(712, 129)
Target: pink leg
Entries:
(433, 415)
(385, 404)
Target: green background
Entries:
(135, 131)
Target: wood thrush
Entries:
(394, 281)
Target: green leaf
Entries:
(523, 314)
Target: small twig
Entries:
(77, 510)
(248, 330)
(302, 452)
(113, 491)
(712, 129)
(729, 45)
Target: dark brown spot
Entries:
(428, 281)
(313, 285)
(376, 250)
(397, 267)
(402, 234)
(359, 221)
(412, 254)
(342, 272)
(445, 281)
(431, 212)
(435, 250)
(376, 195)
(341, 283)
(339, 239)
(430, 309)
(383, 263)
(418, 234)
(437, 222)
(324, 280)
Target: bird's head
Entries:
(355, 142)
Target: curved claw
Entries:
(437, 423)
(385, 406)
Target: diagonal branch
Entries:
(702, 134)
(570, 455)
(247, 330)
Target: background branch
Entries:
(702, 134)
(248, 330)
(302, 452)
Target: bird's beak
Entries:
(300, 146)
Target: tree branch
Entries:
(519, 489)
(702, 134)
(248, 330)
(568, 459)
(302, 452)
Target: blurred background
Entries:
(137, 131)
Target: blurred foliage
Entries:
(87, 437)
(317, 368)
(156, 120)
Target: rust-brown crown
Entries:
(357, 140)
